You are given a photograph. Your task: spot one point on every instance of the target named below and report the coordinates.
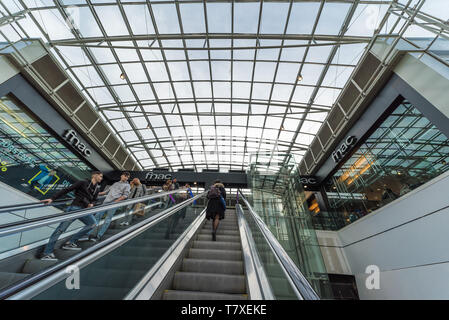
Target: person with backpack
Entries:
(216, 206)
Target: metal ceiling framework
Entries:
(245, 84)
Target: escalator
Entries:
(168, 254)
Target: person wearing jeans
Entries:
(117, 192)
(137, 190)
(86, 193)
(89, 222)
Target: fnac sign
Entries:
(153, 176)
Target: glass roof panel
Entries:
(202, 70)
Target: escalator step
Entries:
(232, 255)
(196, 295)
(7, 278)
(217, 245)
(220, 231)
(220, 237)
(35, 265)
(209, 282)
(207, 266)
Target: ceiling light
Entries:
(300, 78)
(282, 128)
(122, 76)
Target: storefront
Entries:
(33, 160)
(398, 144)
(405, 151)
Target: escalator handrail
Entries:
(300, 284)
(259, 287)
(38, 204)
(29, 224)
(31, 205)
(90, 254)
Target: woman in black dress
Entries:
(215, 209)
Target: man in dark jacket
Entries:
(86, 193)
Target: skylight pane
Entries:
(166, 18)
(157, 71)
(274, 16)
(139, 19)
(193, 18)
(302, 18)
(332, 18)
(219, 17)
(112, 20)
(246, 17)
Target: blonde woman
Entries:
(137, 190)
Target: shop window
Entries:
(403, 153)
(32, 160)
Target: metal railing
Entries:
(29, 224)
(301, 287)
(39, 282)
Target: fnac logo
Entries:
(157, 176)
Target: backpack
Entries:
(214, 192)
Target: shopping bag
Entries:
(139, 209)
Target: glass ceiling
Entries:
(204, 84)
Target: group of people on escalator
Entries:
(86, 195)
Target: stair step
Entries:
(210, 266)
(197, 295)
(232, 255)
(219, 232)
(220, 237)
(35, 265)
(217, 245)
(7, 278)
(209, 282)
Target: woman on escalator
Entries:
(216, 206)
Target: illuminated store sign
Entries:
(157, 176)
(308, 180)
(338, 154)
(70, 136)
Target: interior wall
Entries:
(333, 254)
(408, 240)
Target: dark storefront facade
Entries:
(40, 152)
(398, 144)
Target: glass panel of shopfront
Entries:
(403, 153)
(32, 160)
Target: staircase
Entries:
(212, 270)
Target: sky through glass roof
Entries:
(207, 83)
